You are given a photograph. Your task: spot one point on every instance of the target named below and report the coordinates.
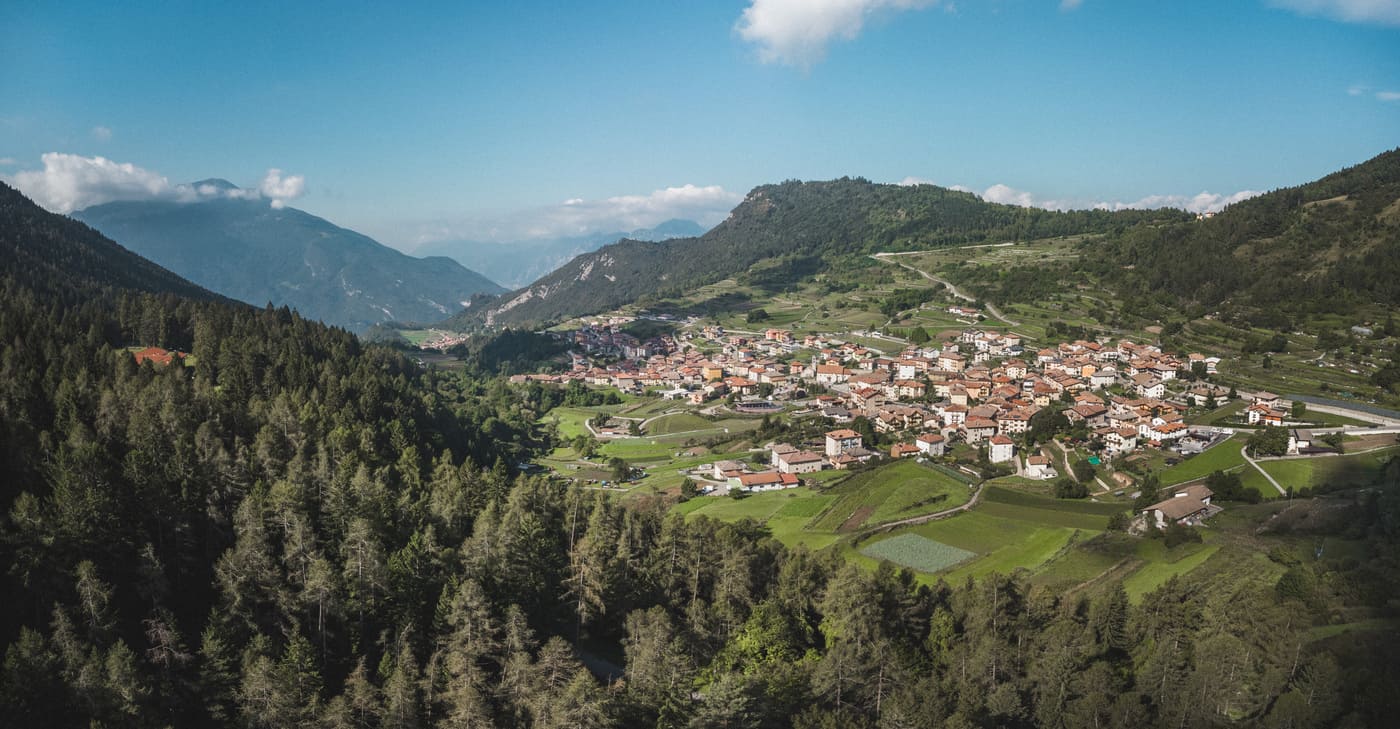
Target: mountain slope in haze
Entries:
(813, 221)
(247, 250)
(517, 263)
(61, 256)
(1326, 246)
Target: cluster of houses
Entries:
(977, 387)
(843, 448)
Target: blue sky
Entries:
(480, 120)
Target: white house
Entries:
(1039, 467)
(1001, 450)
(932, 444)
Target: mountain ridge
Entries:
(65, 257)
(516, 263)
(252, 252)
(812, 221)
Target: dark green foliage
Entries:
(1083, 469)
(1068, 488)
(1044, 424)
(1228, 487)
(1332, 245)
(755, 316)
(901, 299)
(1177, 534)
(511, 351)
(1268, 441)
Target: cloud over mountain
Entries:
(71, 182)
(1202, 202)
(707, 204)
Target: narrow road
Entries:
(954, 290)
(1245, 452)
(1064, 458)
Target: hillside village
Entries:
(976, 387)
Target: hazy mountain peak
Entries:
(215, 183)
(236, 245)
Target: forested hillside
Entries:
(806, 219)
(1326, 246)
(57, 256)
(291, 529)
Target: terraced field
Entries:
(888, 493)
(677, 423)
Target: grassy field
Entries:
(1010, 530)
(784, 512)
(677, 423)
(895, 491)
(1222, 457)
(1155, 573)
(1356, 469)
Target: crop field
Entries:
(890, 492)
(1048, 511)
(916, 552)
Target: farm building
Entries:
(1186, 506)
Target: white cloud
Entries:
(71, 182)
(1388, 95)
(8, 161)
(1374, 12)
(1202, 202)
(1356, 90)
(1005, 194)
(280, 189)
(1068, 5)
(797, 32)
(579, 216)
(101, 134)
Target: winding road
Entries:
(952, 288)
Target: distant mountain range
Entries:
(250, 251)
(517, 263)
